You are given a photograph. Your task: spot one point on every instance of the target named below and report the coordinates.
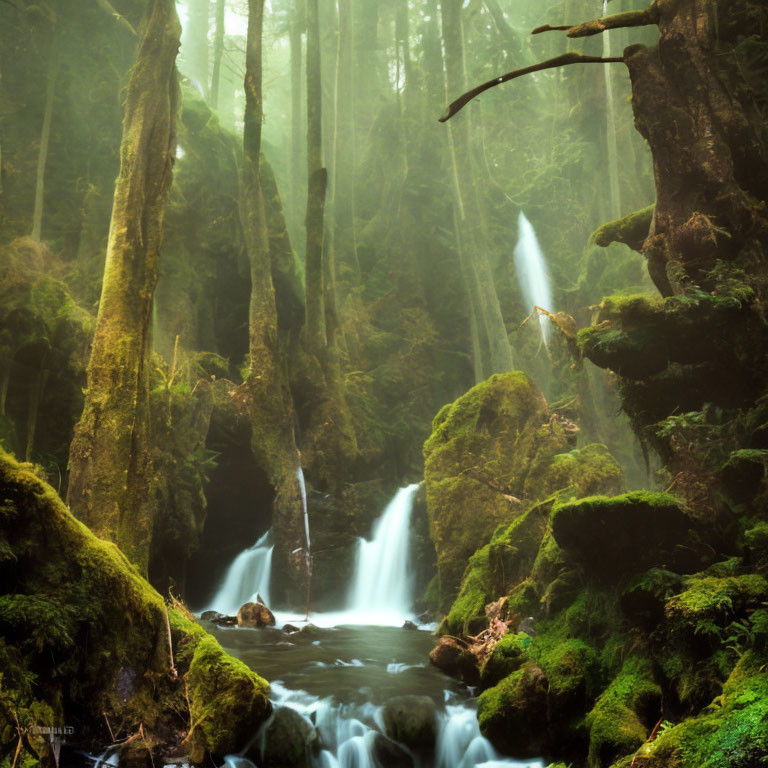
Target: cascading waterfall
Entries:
(382, 589)
(348, 734)
(247, 577)
(531, 271)
(610, 127)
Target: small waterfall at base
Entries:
(531, 270)
(382, 588)
(248, 576)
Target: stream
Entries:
(339, 672)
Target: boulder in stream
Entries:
(255, 615)
(390, 754)
(455, 658)
(287, 740)
(211, 616)
(411, 720)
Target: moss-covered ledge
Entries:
(84, 642)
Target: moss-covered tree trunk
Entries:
(271, 412)
(694, 102)
(110, 470)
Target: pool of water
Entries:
(339, 679)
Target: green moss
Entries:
(631, 230)
(589, 470)
(617, 536)
(617, 723)
(84, 634)
(512, 714)
(507, 657)
(731, 733)
(227, 700)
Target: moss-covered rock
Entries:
(82, 636)
(624, 714)
(618, 536)
(513, 714)
(730, 733)
(492, 455)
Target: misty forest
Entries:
(383, 383)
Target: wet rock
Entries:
(411, 720)
(255, 615)
(451, 656)
(513, 714)
(287, 740)
(390, 754)
(311, 632)
(409, 625)
(290, 628)
(211, 616)
(226, 621)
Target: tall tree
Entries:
(195, 45)
(317, 178)
(476, 268)
(218, 51)
(271, 411)
(109, 458)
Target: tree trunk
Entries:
(195, 45)
(317, 181)
(45, 134)
(218, 52)
(298, 23)
(109, 458)
(471, 215)
(271, 413)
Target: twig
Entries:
(174, 672)
(109, 727)
(16, 756)
(559, 61)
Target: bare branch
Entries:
(642, 18)
(109, 8)
(559, 61)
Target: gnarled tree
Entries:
(109, 460)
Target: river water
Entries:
(339, 673)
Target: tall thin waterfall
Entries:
(303, 487)
(531, 270)
(248, 576)
(382, 585)
(610, 127)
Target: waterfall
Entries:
(303, 487)
(610, 127)
(531, 270)
(248, 576)
(382, 587)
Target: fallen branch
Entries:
(173, 671)
(559, 61)
(644, 18)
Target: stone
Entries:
(454, 658)
(255, 615)
(411, 720)
(287, 740)
(409, 625)
(390, 754)
(211, 616)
